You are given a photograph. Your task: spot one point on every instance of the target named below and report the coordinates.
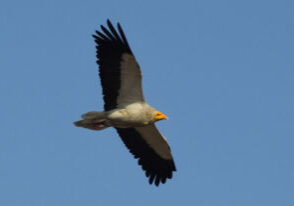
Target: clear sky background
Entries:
(223, 71)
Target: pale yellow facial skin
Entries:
(160, 116)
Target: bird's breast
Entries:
(134, 116)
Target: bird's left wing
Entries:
(152, 149)
(119, 71)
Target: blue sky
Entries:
(223, 71)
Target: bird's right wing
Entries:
(119, 71)
(152, 149)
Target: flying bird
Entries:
(125, 108)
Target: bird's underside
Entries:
(125, 106)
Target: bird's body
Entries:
(125, 106)
(133, 115)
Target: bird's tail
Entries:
(93, 120)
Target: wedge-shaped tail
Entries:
(92, 120)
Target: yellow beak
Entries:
(160, 116)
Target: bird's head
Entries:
(159, 116)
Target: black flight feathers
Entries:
(111, 45)
(155, 167)
(111, 36)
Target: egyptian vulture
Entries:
(125, 106)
